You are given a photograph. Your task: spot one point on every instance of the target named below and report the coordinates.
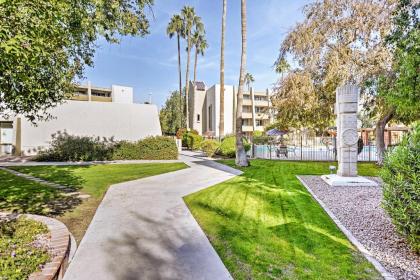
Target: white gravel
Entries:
(359, 210)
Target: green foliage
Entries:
(150, 148)
(171, 114)
(404, 95)
(192, 140)
(210, 146)
(401, 176)
(228, 146)
(65, 147)
(19, 257)
(265, 225)
(180, 133)
(44, 45)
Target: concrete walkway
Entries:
(144, 230)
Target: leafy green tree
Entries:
(338, 42)
(171, 114)
(44, 45)
(176, 26)
(404, 94)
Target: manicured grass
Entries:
(265, 225)
(19, 257)
(28, 197)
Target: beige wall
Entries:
(123, 121)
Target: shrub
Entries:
(228, 146)
(180, 133)
(19, 255)
(150, 148)
(209, 147)
(401, 189)
(65, 147)
(191, 140)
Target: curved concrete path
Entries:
(144, 230)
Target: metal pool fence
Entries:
(313, 148)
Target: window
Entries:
(259, 109)
(198, 117)
(259, 122)
(261, 98)
(210, 118)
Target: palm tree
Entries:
(176, 26)
(249, 79)
(190, 21)
(200, 44)
(241, 159)
(222, 73)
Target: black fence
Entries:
(315, 148)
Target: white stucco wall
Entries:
(121, 94)
(123, 121)
(213, 98)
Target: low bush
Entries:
(19, 256)
(180, 133)
(228, 146)
(150, 148)
(65, 147)
(191, 140)
(401, 190)
(209, 147)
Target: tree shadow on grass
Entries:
(24, 196)
(62, 175)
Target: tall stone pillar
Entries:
(347, 97)
(346, 109)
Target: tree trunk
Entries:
(222, 74)
(380, 135)
(241, 159)
(187, 84)
(195, 64)
(180, 82)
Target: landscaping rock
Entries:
(359, 210)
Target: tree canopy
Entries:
(171, 114)
(404, 94)
(339, 41)
(44, 45)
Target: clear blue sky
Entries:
(149, 64)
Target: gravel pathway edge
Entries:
(385, 274)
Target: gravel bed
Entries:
(359, 210)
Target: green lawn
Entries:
(265, 225)
(29, 197)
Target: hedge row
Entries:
(65, 147)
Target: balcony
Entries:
(101, 98)
(247, 115)
(261, 103)
(247, 128)
(247, 102)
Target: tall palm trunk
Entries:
(187, 84)
(380, 136)
(241, 159)
(181, 110)
(222, 74)
(195, 63)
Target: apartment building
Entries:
(204, 109)
(90, 111)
